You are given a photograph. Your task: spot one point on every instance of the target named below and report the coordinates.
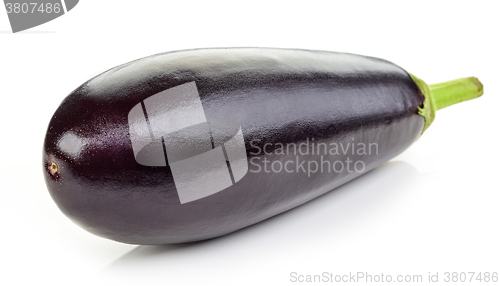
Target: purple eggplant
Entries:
(191, 145)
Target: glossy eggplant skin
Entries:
(277, 95)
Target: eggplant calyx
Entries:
(440, 95)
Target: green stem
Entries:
(441, 95)
(455, 91)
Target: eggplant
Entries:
(191, 145)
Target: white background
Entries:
(435, 208)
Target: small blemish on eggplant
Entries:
(53, 170)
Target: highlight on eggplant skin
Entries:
(190, 145)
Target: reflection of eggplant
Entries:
(192, 145)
